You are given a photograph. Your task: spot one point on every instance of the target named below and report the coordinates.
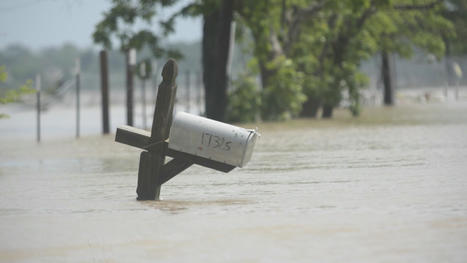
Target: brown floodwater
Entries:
(390, 186)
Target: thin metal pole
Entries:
(154, 80)
(188, 92)
(78, 72)
(199, 83)
(38, 96)
(143, 93)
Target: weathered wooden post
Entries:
(210, 143)
(188, 92)
(130, 63)
(78, 87)
(104, 92)
(151, 162)
(38, 107)
(144, 72)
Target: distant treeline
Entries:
(57, 64)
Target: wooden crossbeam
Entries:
(133, 136)
(141, 139)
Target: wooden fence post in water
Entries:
(153, 171)
(78, 87)
(130, 63)
(188, 91)
(105, 92)
(38, 97)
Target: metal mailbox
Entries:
(212, 139)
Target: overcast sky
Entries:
(42, 23)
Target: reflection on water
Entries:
(389, 186)
(175, 206)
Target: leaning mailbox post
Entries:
(187, 138)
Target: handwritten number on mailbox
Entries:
(214, 141)
(227, 146)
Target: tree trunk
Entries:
(387, 82)
(327, 111)
(310, 107)
(216, 48)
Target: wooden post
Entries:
(130, 62)
(151, 162)
(78, 71)
(104, 92)
(188, 92)
(38, 97)
(143, 95)
(388, 93)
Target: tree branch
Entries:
(298, 17)
(418, 7)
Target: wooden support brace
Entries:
(172, 168)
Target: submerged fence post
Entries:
(188, 92)
(104, 92)
(38, 104)
(78, 72)
(199, 84)
(143, 95)
(130, 63)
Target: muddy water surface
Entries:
(390, 186)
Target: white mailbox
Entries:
(212, 139)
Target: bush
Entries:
(244, 100)
(283, 96)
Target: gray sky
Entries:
(42, 23)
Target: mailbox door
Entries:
(211, 139)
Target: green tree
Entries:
(12, 95)
(244, 100)
(347, 33)
(274, 27)
(119, 23)
(455, 11)
(403, 27)
(217, 17)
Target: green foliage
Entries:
(244, 100)
(327, 41)
(119, 23)
(455, 12)
(14, 95)
(282, 98)
(3, 74)
(282, 92)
